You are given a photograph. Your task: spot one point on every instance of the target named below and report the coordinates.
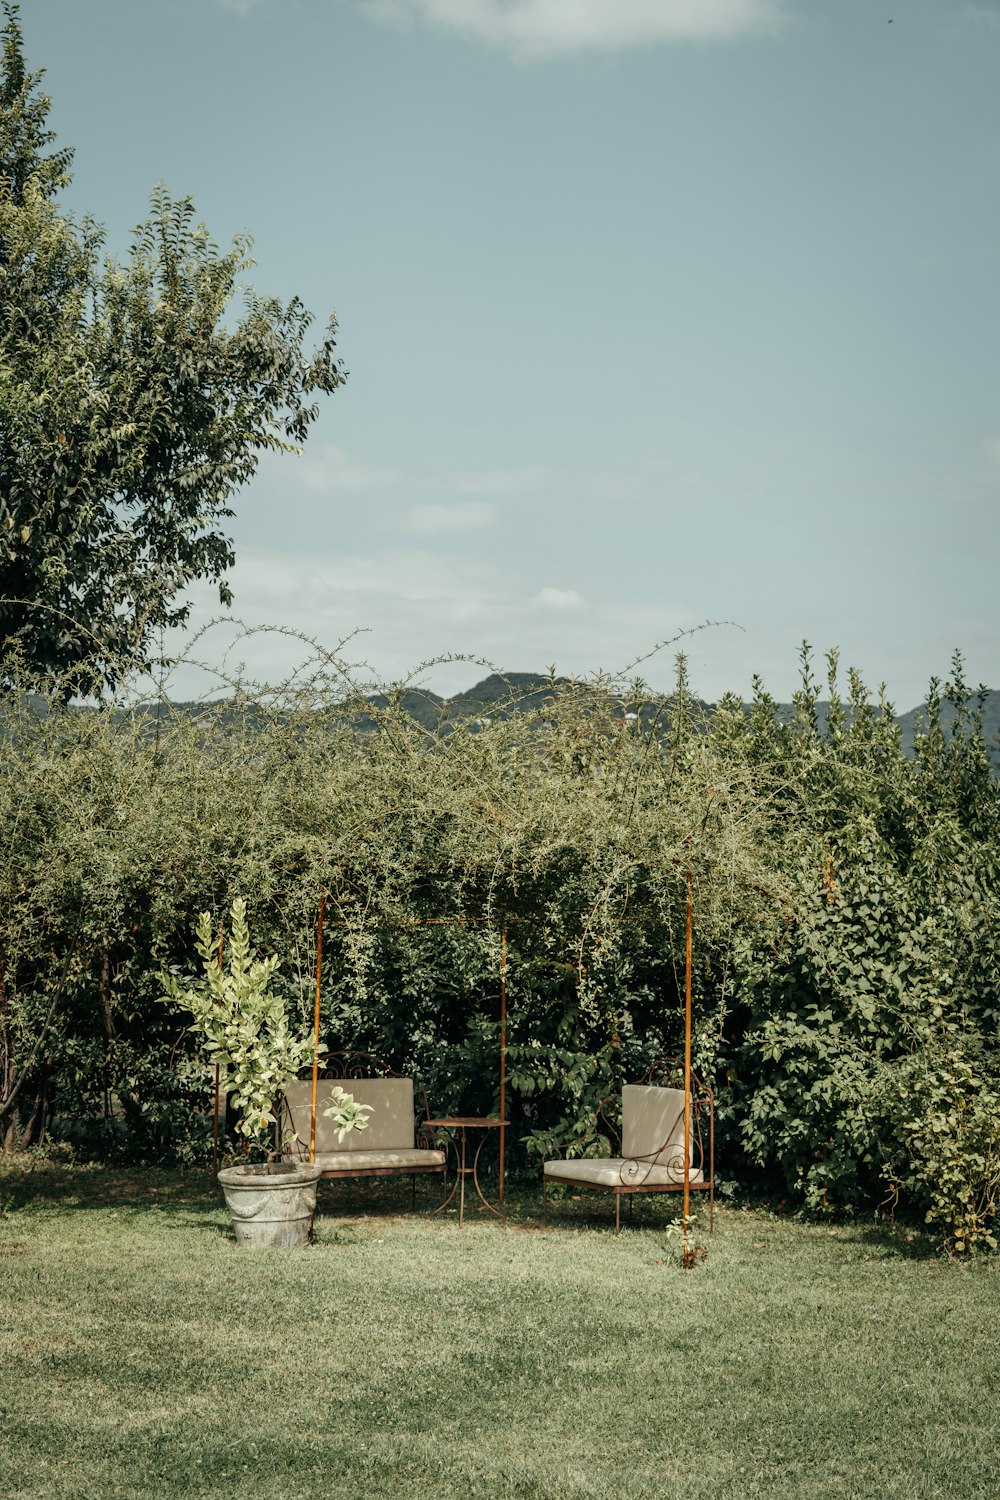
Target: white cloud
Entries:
(540, 479)
(560, 599)
(548, 28)
(415, 604)
(331, 470)
(441, 520)
(981, 15)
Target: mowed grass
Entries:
(143, 1354)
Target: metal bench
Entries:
(394, 1141)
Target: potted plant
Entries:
(245, 1029)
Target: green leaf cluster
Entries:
(880, 985)
(134, 402)
(243, 1025)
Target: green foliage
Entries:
(346, 1113)
(244, 1029)
(846, 911)
(881, 980)
(943, 1136)
(243, 1026)
(133, 404)
(117, 825)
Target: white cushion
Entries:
(619, 1172)
(366, 1161)
(390, 1125)
(653, 1122)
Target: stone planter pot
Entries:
(272, 1205)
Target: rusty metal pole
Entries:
(315, 1072)
(503, 1046)
(215, 1131)
(218, 1079)
(688, 1259)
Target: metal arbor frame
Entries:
(419, 922)
(689, 1254)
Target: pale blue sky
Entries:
(655, 311)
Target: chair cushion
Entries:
(618, 1172)
(653, 1124)
(390, 1125)
(366, 1161)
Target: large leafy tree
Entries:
(134, 401)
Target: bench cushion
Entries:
(390, 1125)
(618, 1172)
(370, 1161)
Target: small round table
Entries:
(463, 1123)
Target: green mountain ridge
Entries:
(498, 695)
(525, 691)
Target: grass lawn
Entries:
(142, 1354)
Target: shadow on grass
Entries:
(192, 1204)
(28, 1181)
(42, 1185)
(596, 1211)
(877, 1238)
(887, 1241)
(378, 1198)
(382, 1202)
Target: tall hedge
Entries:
(845, 915)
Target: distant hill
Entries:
(522, 692)
(495, 697)
(529, 690)
(917, 717)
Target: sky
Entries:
(656, 312)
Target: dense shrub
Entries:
(862, 1036)
(845, 899)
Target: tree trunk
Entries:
(34, 1120)
(104, 988)
(6, 1040)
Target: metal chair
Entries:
(650, 1148)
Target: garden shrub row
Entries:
(845, 909)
